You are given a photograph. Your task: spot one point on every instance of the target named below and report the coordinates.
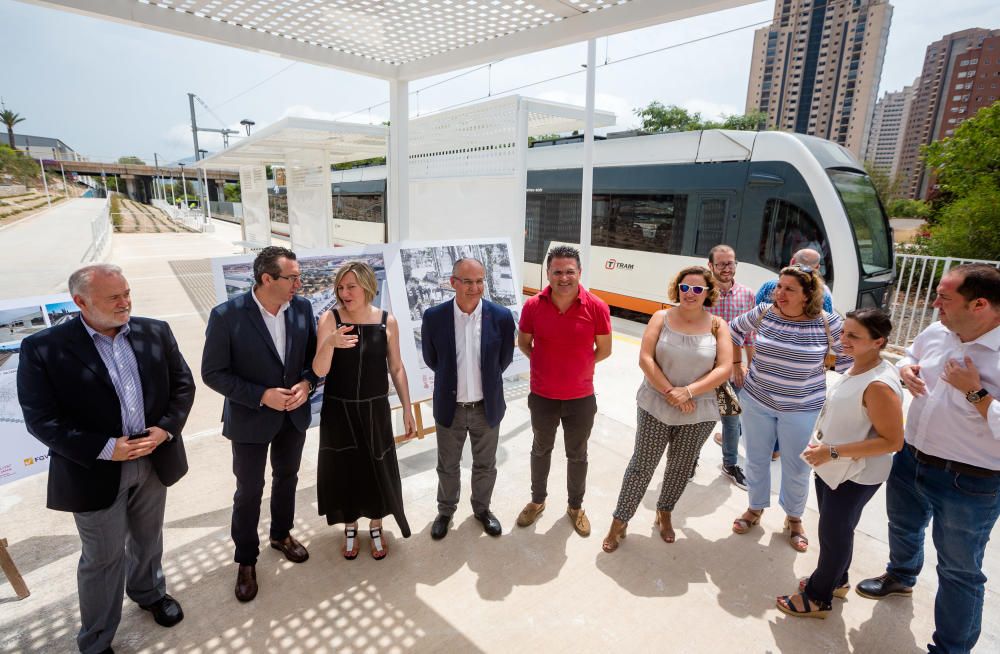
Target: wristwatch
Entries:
(833, 452)
(976, 396)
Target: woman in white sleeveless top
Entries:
(861, 425)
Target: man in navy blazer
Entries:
(259, 348)
(109, 394)
(468, 342)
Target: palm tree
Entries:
(9, 118)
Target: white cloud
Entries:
(711, 110)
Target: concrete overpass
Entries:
(139, 178)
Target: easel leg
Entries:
(10, 570)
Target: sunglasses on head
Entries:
(805, 269)
(697, 290)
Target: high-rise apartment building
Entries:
(885, 142)
(951, 89)
(816, 68)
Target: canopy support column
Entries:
(587, 194)
(398, 186)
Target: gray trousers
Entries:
(577, 419)
(483, 439)
(122, 551)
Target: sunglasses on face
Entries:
(697, 290)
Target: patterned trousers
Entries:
(652, 437)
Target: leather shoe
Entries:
(884, 586)
(293, 550)
(490, 523)
(529, 514)
(166, 611)
(246, 583)
(440, 527)
(579, 519)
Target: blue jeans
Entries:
(964, 509)
(731, 435)
(791, 429)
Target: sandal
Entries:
(615, 535)
(351, 546)
(666, 529)
(786, 605)
(840, 592)
(742, 524)
(796, 535)
(378, 545)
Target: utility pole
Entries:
(194, 125)
(45, 182)
(156, 163)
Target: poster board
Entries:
(426, 269)
(234, 275)
(21, 454)
(412, 276)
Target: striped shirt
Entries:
(734, 303)
(786, 372)
(119, 359)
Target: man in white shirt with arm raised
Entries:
(949, 468)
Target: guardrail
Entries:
(190, 218)
(912, 298)
(100, 229)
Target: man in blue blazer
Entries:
(109, 394)
(259, 348)
(468, 342)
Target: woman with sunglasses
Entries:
(784, 390)
(685, 353)
(861, 425)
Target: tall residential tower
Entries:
(885, 142)
(816, 68)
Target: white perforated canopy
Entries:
(394, 39)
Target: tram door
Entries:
(716, 221)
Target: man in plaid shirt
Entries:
(734, 299)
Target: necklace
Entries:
(799, 315)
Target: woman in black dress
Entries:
(358, 350)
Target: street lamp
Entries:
(184, 189)
(246, 122)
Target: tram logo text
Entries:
(614, 264)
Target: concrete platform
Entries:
(542, 587)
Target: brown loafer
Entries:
(293, 550)
(580, 521)
(246, 583)
(529, 514)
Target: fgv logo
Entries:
(36, 459)
(614, 264)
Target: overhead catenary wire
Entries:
(832, 5)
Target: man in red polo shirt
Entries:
(564, 331)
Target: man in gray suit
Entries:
(109, 394)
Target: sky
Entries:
(110, 90)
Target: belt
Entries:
(951, 466)
(469, 405)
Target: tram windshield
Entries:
(867, 219)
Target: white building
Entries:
(885, 142)
(43, 147)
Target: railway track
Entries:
(138, 218)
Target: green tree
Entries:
(9, 118)
(967, 168)
(231, 192)
(970, 158)
(542, 137)
(659, 118)
(131, 159)
(887, 186)
(754, 121)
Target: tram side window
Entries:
(649, 223)
(786, 230)
(550, 217)
(363, 208)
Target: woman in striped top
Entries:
(784, 391)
